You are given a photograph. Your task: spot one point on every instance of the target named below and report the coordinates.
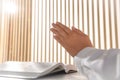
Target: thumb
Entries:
(77, 30)
(74, 29)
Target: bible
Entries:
(33, 69)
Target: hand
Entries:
(73, 40)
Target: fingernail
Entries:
(50, 29)
(57, 22)
(73, 28)
(53, 23)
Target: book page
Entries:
(31, 69)
(26, 66)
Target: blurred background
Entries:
(25, 24)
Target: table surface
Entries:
(58, 76)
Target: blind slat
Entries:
(25, 35)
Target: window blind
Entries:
(97, 18)
(15, 39)
(25, 35)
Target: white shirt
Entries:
(98, 64)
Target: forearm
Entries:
(98, 64)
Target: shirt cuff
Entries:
(84, 52)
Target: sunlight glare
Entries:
(10, 7)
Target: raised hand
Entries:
(73, 40)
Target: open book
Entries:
(32, 69)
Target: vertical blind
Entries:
(97, 18)
(15, 30)
(0, 29)
(25, 35)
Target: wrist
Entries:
(80, 50)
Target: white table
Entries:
(59, 76)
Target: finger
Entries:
(59, 39)
(78, 31)
(59, 30)
(55, 32)
(65, 28)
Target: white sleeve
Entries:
(98, 64)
